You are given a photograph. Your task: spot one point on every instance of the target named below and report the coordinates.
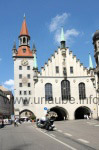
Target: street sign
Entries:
(45, 108)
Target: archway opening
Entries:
(81, 112)
(27, 114)
(61, 113)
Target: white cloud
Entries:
(69, 34)
(55, 26)
(9, 84)
(58, 21)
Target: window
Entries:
(20, 84)
(28, 76)
(28, 67)
(71, 70)
(24, 50)
(65, 90)
(24, 40)
(82, 94)
(27, 41)
(20, 40)
(20, 92)
(20, 76)
(25, 102)
(29, 92)
(20, 67)
(57, 69)
(64, 71)
(48, 92)
(29, 84)
(25, 92)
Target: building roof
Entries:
(24, 29)
(21, 52)
(6, 91)
(3, 88)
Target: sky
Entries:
(44, 18)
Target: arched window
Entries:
(82, 93)
(48, 92)
(20, 41)
(65, 90)
(24, 40)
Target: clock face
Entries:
(24, 62)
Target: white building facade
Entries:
(64, 85)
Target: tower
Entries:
(96, 53)
(62, 39)
(63, 51)
(90, 62)
(23, 74)
(35, 66)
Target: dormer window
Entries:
(24, 50)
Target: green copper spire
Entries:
(62, 39)
(62, 35)
(90, 62)
(35, 62)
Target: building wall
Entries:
(4, 105)
(19, 106)
(80, 74)
(48, 75)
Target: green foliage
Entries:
(33, 117)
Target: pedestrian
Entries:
(15, 122)
(2, 123)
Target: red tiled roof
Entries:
(27, 53)
(24, 30)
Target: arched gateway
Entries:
(62, 114)
(81, 112)
(26, 113)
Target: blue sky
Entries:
(80, 19)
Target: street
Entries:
(68, 135)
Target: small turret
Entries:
(14, 50)
(34, 49)
(90, 62)
(35, 63)
(96, 55)
(96, 46)
(35, 66)
(91, 69)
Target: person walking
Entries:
(15, 123)
(2, 123)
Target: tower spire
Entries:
(62, 38)
(90, 62)
(24, 29)
(24, 16)
(35, 62)
(62, 35)
(33, 48)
